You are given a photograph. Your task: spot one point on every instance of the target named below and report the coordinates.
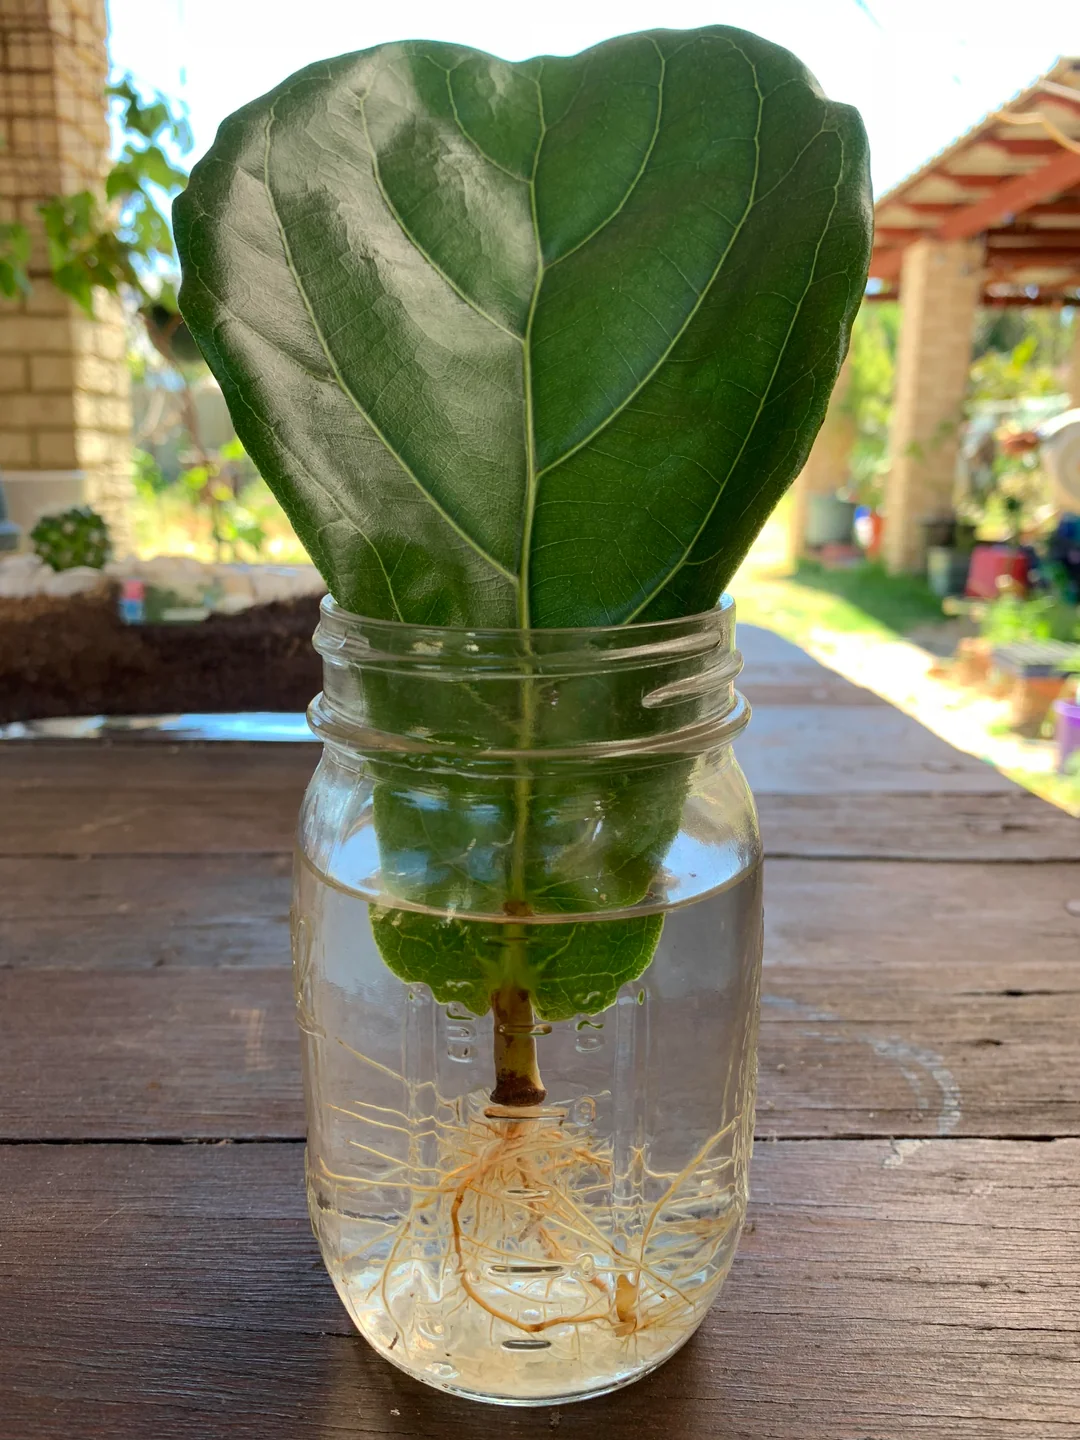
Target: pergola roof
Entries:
(1014, 178)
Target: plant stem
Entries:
(517, 1074)
(517, 1071)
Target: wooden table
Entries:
(912, 1260)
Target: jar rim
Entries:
(658, 687)
(722, 611)
(346, 638)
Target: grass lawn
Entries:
(858, 621)
(862, 600)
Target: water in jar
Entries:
(542, 1254)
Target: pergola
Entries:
(993, 219)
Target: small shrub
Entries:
(78, 536)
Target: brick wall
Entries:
(939, 288)
(65, 405)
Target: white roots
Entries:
(522, 1223)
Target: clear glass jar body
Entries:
(563, 807)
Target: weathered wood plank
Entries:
(984, 929)
(83, 800)
(1012, 826)
(917, 1290)
(846, 749)
(107, 799)
(177, 1054)
(776, 672)
(938, 930)
(72, 766)
(209, 1053)
(114, 912)
(199, 820)
(764, 689)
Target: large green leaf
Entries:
(571, 969)
(534, 343)
(529, 345)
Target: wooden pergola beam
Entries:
(999, 211)
(1059, 94)
(886, 264)
(1018, 145)
(935, 208)
(968, 181)
(1012, 198)
(1066, 205)
(1033, 259)
(1069, 296)
(1053, 238)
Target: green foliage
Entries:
(1012, 374)
(78, 536)
(869, 397)
(531, 345)
(233, 525)
(148, 477)
(466, 312)
(571, 969)
(117, 239)
(1014, 618)
(154, 121)
(14, 258)
(1003, 330)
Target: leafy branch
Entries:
(119, 238)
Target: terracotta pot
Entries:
(1030, 699)
(971, 665)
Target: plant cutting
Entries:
(528, 352)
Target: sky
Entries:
(920, 71)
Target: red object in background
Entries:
(991, 563)
(869, 526)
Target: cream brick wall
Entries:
(65, 401)
(940, 285)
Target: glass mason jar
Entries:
(527, 946)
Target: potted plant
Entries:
(520, 352)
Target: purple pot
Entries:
(1066, 731)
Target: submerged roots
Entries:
(522, 1220)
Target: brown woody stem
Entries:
(517, 1074)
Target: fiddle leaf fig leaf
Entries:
(537, 343)
(529, 345)
(571, 969)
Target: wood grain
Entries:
(92, 799)
(144, 910)
(213, 1053)
(984, 928)
(886, 1287)
(1011, 826)
(853, 749)
(914, 1290)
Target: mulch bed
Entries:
(76, 657)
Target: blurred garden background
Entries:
(928, 538)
